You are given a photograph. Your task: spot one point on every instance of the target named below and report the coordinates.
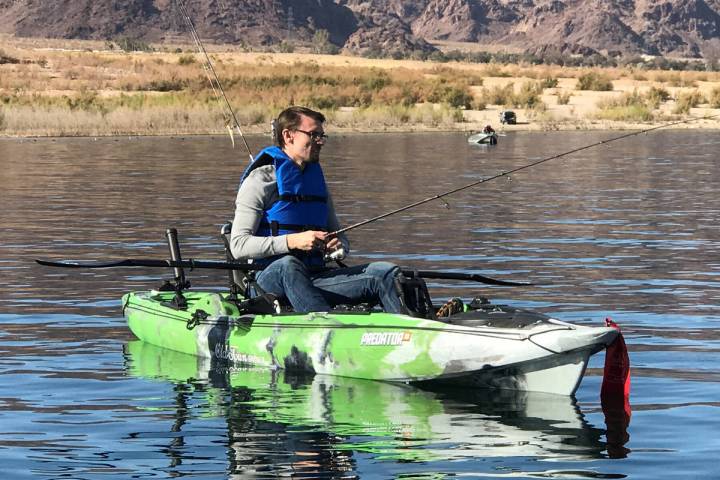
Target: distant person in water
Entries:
(283, 213)
(488, 129)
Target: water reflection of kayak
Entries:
(401, 422)
(485, 346)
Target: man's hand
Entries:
(307, 241)
(333, 244)
(334, 249)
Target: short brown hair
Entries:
(290, 119)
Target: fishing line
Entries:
(214, 80)
(514, 170)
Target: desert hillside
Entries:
(676, 28)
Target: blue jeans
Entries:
(318, 292)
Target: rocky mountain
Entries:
(685, 28)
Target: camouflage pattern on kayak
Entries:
(492, 346)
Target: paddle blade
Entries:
(468, 277)
(154, 263)
(68, 264)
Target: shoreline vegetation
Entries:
(84, 88)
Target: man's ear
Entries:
(287, 136)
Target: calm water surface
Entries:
(630, 230)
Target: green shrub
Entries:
(629, 107)
(321, 43)
(435, 115)
(133, 45)
(454, 96)
(438, 56)
(163, 85)
(563, 98)
(494, 70)
(478, 104)
(687, 100)
(88, 101)
(677, 80)
(285, 47)
(133, 102)
(499, 95)
(657, 95)
(186, 59)
(323, 102)
(594, 81)
(715, 98)
(528, 96)
(626, 113)
(626, 100)
(536, 109)
(548, 82)
(5, 58)
(377, 80)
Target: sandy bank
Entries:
(61, 88)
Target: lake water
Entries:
(629, 230)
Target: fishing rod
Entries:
(214, 80)
(509, 172)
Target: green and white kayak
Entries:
(488, 346)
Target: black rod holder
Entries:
(180, 282)
(174, 245)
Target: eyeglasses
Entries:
(315, 136)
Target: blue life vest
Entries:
(302, 201)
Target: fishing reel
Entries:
(335, 256)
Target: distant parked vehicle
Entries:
(508, 116)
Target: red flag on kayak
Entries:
(616, 376)
(615, 394)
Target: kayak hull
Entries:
(559, 374)
(483, 138)
(541, 355)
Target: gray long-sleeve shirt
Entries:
(257, 193)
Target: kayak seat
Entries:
(241, 283)
(414, 295)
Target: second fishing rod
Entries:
(511, 171)
(234, 123)
(212, 76)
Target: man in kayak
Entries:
(283, 213)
